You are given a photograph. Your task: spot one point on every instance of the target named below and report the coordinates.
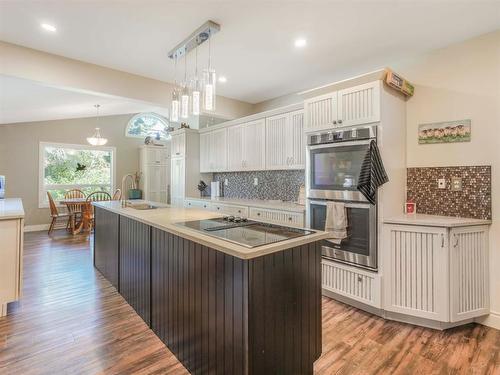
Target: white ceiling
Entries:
(25, 101)
(254, 49)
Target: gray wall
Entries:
(19, 144)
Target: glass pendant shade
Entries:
(96, 139)
(174, 112)
(185, 102)
(209, 92)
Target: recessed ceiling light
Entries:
(222, 79)
(301, 42)
(48, 27)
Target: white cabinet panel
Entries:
(230, 209)
(235, 148)
(321, 112)
(10, 262)
(178, 181)
(193, 203)
(416, 271)
(213, 151)
(285, 141)
(469, 272)
(254, 134)
(178, 145)
(294, 219)
(205, 152)
(362, 286)
(359, 105)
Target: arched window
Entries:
(148, 124)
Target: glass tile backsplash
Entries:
(282, 185)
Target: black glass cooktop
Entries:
(244, 232)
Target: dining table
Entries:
(77, 205)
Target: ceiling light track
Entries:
(197, 37)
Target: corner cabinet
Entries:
(348, 107)
(285, 141)
(246, 146)
(436, 273)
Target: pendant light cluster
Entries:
(195, 94)
(96, 139)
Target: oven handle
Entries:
(340, 144)
(348, 205)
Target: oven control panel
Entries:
(334, 136)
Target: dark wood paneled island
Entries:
(218, 312)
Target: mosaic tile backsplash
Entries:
(473, 201)
(282, 185)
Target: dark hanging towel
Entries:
(372, 173)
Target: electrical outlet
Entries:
(226, 182)
(441, 183)
(255, 181)
(456, 184)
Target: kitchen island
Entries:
(220, 307)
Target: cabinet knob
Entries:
(290, 218)
(340, 121)
(258, 213)
(360, 279)
(334, 122)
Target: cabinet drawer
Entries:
(295, 219)
(351, 282)
(230, 209)
(188, 203)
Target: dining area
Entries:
(75, 212)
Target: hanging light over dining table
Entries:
(97, 139)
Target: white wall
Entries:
(461, 82)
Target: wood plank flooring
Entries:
(72, 321)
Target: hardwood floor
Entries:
(72, 321)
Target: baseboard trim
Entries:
(36, 228)
(492, 320)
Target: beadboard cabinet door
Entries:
(246, 146)
(416, 271)
(178, 145)
(235, 147)
(359, 104)
(205, 149)
(178, 181)
(321, 112)
(213, 151)
(285, 141)
(469, 272)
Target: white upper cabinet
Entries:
(348, 107)
(178, 145)
(245, 149)
(285, 141)
(213, 151)
(178, 178)
(321, 112)
(359, 105)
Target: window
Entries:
(148, 124)
(63, 167)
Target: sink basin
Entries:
(142, 206)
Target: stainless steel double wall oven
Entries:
(334, 160)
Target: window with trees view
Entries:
(148, 124)
(64, 167)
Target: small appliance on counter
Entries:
(2, 187)
(215, 190)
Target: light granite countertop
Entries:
(165, 218)
(435, 220)
(261, 203)
(11, 208)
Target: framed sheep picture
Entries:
(444, 132)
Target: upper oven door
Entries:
(335, 167)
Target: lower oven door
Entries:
(360, 246)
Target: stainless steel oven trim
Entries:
(340, 144)
(344, 195)
(363, 261)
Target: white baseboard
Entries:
(492, 320)
(36, 228)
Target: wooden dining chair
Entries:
(56, 215)
(74, 208)
(117, 195)
(88, 212)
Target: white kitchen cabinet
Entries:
(321, 112)
(354, 283)
(178, 144)
(155, 169)
(213, 151)
(436, 273)
(293, 219)
(359, 104)
(352, 106)
(246, 146)
(230, 209)
(178, 181)
(200, 204)
(285, 141)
